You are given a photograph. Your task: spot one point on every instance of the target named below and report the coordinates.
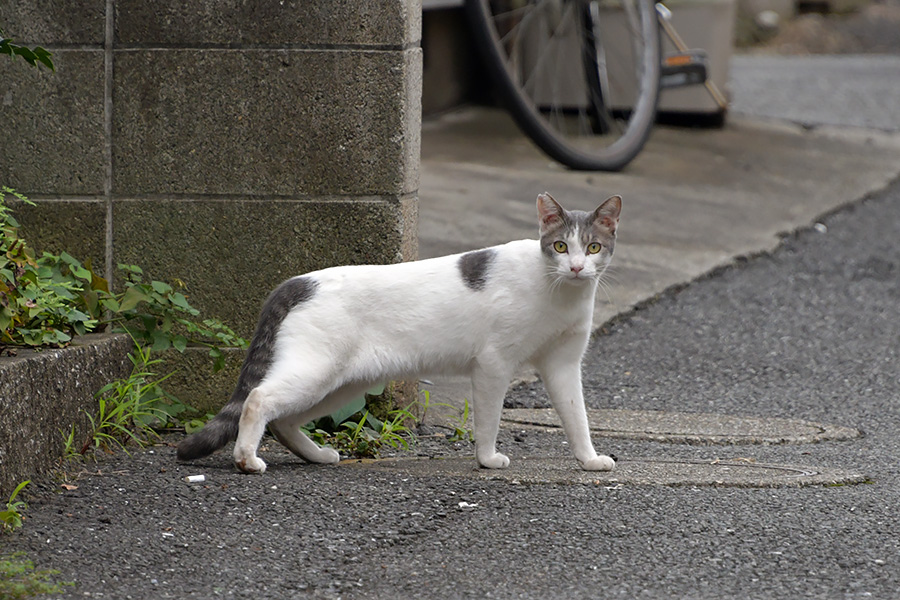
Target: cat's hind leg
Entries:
(287, 431)
(250, 431)
(289, 394)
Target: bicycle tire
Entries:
(595, 113)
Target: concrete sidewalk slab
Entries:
(693, 200)
(687, 428)
(630, 471)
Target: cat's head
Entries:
(578, 245)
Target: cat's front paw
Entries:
(253, 465)
(599, 463)
(494, 461)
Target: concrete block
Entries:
(74, 226)
(231, 254)
(407, 226)
(193, 380)
(409, 134)
(53, 132)
(44, 393)
(247, 23)
(54, 22)
(285, 122)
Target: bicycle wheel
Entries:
(580, 77)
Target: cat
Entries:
(325, 337)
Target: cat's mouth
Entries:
(581, 276)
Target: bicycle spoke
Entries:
(577, 85)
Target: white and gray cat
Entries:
(326, 337)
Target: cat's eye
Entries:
(560, 247)
(594, 248)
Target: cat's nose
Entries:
(577, 268)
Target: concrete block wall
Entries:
(229, 144)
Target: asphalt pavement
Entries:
(761, 294)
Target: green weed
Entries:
(354, 431)
(457, 424)
(129, 410)
(11, 517)
(19, 579)
(461, 433)
(366, 437)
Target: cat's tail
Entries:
(222, 429)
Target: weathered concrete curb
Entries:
(631, 471)
(688, 428)
(44, 393)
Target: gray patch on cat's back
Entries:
(280, 302)
(289, 294)
(473, 267)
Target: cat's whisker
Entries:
(611, 268)
(610, 279)
(609, 276)
(556, 282)
(604, 287)
(553, 278)
(606, 274)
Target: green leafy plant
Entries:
(130, 411)
(461, 433)
(40, 302)
(157, 315)
(41, 299)
(19, 579)
(33, 56)
(457, 424)
(46, 301)
(11, 517)
(365, 437)
(354, 431)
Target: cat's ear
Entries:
(607, 214)
(549, 211)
